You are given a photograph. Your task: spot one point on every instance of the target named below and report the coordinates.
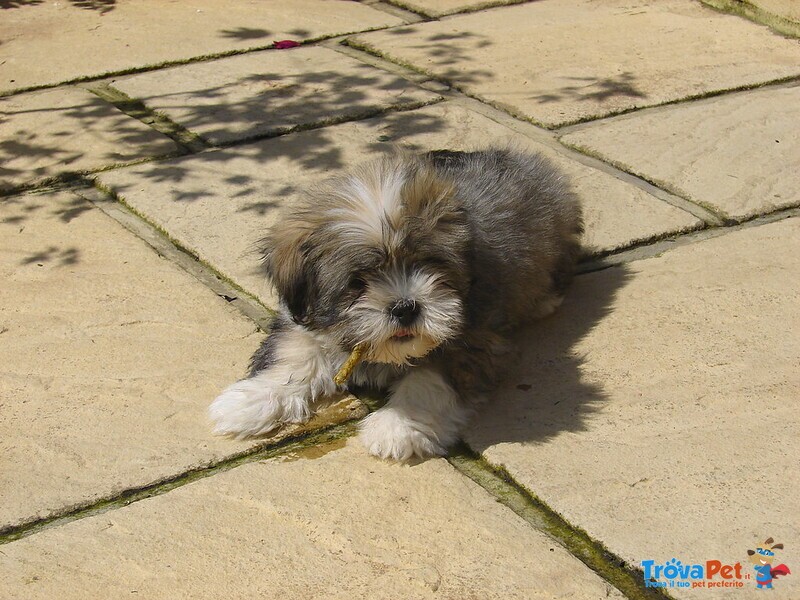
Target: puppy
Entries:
(429, 262)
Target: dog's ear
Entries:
(284, 252)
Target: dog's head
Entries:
(376, 256)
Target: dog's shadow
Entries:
(545, 392)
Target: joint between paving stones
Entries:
(747, 87)
(790, 81)
(494, 481)
(366, 113)
(376, 53)
(187, 140)
(76, 179)
(499, 483)
(343, 47)
(483, 6)
(284, 447)
(656, 249)
(183, 61)
(397, 9)
(114, 206)
(550, 139)
(407, 8)
(710, 215)
(62, 181)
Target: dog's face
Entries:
(378, 256)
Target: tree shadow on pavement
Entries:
(595, 89)
(49, 134)
(447, 58)
(546, 392)
(239, 101)
(40, 129)
(101, 6)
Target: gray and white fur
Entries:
(432, 261)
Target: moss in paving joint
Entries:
(397, 9)
(62, 181)
(448, 84)
(69, 179)
(373, 51)
(342, 47)
(499, 483)
(423, 16)
(710, 215)
(756, 14)
(291, 445)
(748, 87)
(658, 248)
(167, 242)
(488, 4)
(180, 62)
(643, 243)
(365, 113)
(189, 141)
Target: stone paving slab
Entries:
(738, 154)
(218, 204)
(333, 523)
(578, 65)
(658, 410)
(271, 91)
(110, 36)
(109, 357)
(46, 133)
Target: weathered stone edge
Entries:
(741, 8)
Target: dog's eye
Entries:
(356, 284)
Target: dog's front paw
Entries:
(253, 407)
(388, 433)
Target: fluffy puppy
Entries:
(430, 262)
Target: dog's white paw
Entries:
(254, 406)
(388, 433)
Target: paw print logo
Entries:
(672, 568)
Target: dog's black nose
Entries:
(405, 311)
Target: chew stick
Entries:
(355, 357)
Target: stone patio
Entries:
(653, 417)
